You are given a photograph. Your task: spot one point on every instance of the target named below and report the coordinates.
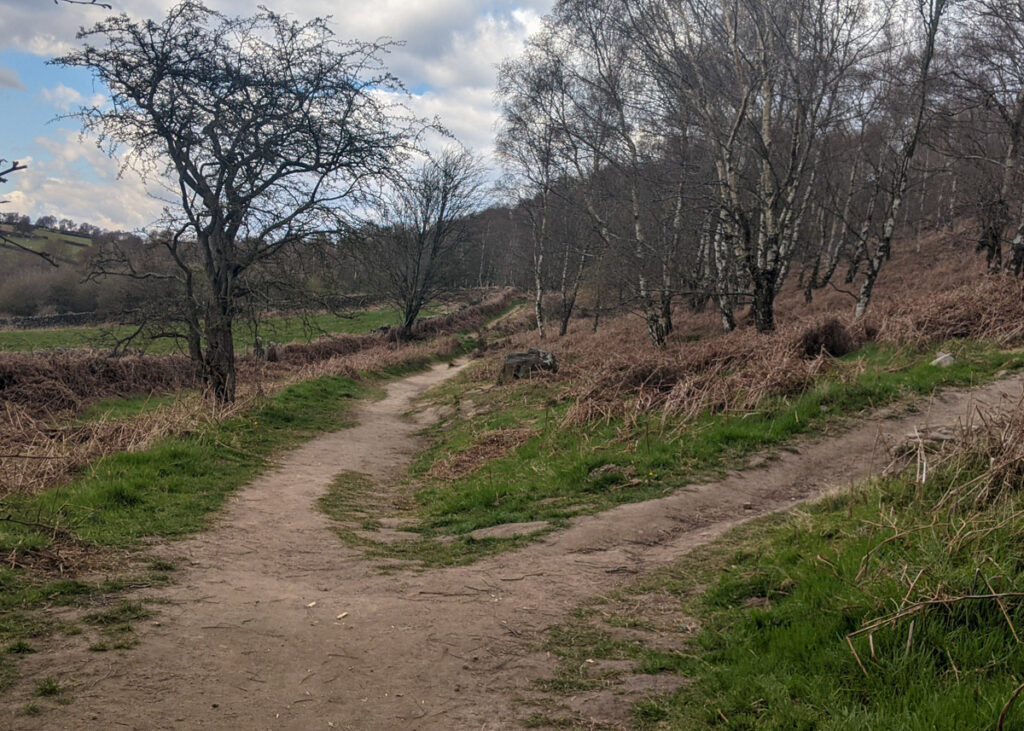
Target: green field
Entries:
(63, 246)
(277, 329)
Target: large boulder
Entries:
(521, 365)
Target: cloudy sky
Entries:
(448, 61)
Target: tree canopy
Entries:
(267, 130)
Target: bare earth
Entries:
(250, 636)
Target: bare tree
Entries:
(984, 121)
(930, 14)
(766, 77)
(267, 127)
(422, 223)
(529, 147)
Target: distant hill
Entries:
(62, 245)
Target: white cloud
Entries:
(9, 79)
(467, 113)
(79, 181)
(448, 58)
(63, 97)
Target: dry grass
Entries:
(42, 445)
(922, 298)
(995, 441)
(37, 453)
(486, 448)
(988, 307)
(49, 383)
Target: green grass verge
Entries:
(776, 599)
(275, 329)
(171, 488)
(562, 472)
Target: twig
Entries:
(28, 456)
(55, 530)
(1006, 708)
(956, 671)
(919, 606)
(849, 641)
(1002, 608)
(843, 291)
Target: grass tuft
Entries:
(48, 688)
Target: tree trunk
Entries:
(724, 283)
(665, 312)
(219, 362)
(570, 291)
(763, 306)
(1017, 249)
(994, 223)
(538, 293)
(568, 300)
(411, 311)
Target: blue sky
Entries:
(447, 62)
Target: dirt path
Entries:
(250, 636)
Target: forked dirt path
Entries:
(250, 637)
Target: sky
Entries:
(447, 60)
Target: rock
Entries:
(521, 365)
(943, 360)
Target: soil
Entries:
(272, 623)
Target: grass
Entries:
(67, 246)
(562, 472)
(274, 329)
(115, 625)
(32, 709)
(344, 500)
(19, 648)
(352, 501)
(169, 490)
(776, 599)
(48, 688)
(125, 407)
(172, 488)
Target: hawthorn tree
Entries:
(267, 129)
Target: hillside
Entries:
(587, 512)
(62, 246)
